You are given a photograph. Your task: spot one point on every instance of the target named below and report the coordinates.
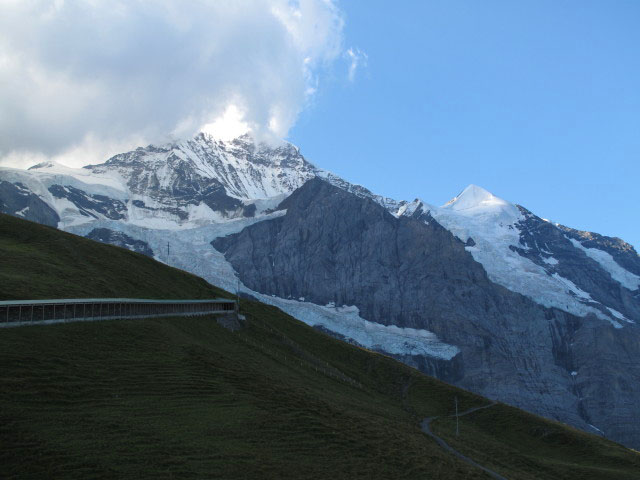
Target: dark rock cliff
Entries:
(19, 201)
(119, 239)
(91, 205)
(333, 246)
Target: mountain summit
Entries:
(477, 198)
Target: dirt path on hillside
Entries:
(426, 428)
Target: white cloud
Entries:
(80, 78)
(357, 59)
(88, 150)
(228, 126)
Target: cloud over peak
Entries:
(105, 71)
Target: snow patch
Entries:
(619, 316)
(572, 287)
(596, 428)
(607, 262)
(346, 321)
(408, 209)
(23, 212)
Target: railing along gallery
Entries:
(18, 312)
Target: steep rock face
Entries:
(120, 239)
(342, 243)
(17, 200)
(332, 246)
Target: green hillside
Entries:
(40, 262)
(186, 398)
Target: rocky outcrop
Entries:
(333, 246)
(17, 200)
(119, 239)
(91, 205)
(623, 253)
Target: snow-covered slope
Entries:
(76, 195)
(605, 259)
(517, 254)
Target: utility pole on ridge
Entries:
(457, 430)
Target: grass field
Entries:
(40, 262)
(186, 398)
(523, 446)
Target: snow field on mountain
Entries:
(492, 224)
(347, 322)
(606, 261)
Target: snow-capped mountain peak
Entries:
(43, 165)
(475, 199)
(195, 171)
(49, 165)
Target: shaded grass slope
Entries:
(186, 398)
(40, 262)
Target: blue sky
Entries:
(536, 101)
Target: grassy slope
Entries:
(523, 446)
(40, 262)
(185, 398)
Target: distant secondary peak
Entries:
(244, 140)
(43, 165)
(246, 137)
(475, 197)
